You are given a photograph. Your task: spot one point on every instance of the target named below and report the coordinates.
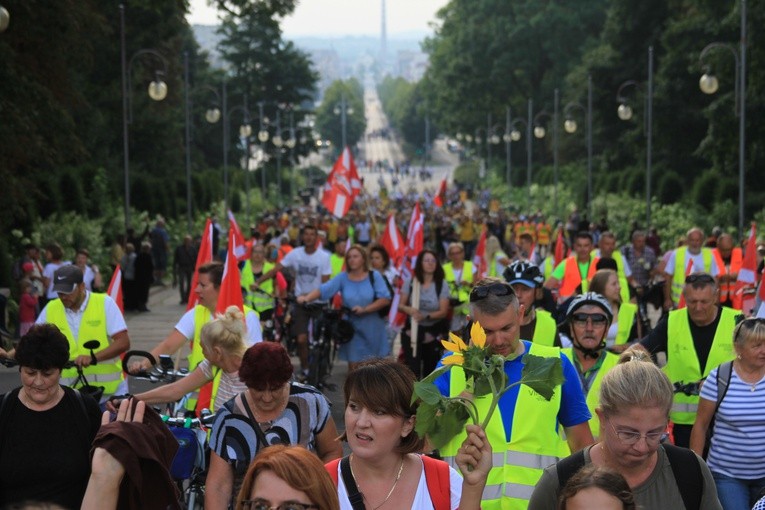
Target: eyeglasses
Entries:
(631, 438)
(580, 319)
(699, 278)
(262, 504)
(495, 289)
(749, 323)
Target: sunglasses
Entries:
(745, 323)
(580, 319)
(495, 289)
(699, 278)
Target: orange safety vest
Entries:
(572, 278)
(729, 289)
(544, 231)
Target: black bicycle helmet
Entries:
(522, 272)
(590, 298)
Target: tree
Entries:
(329, 123)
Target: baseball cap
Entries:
(66, 278)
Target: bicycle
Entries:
(268, 326)
(163, 372)
(325, 333)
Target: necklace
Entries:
(390, 492)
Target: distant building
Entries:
(411, 65)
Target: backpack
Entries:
(724, 372)
(436, 476)
(384, 311)
(685, 468)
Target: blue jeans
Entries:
(737, 493)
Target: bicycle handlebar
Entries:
(205, 420)
(143, 354)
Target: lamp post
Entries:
(515, 135)
(709, 85)
(625, 113)
(343, 110)
(570, 126)
(540, 132)
(507, 139)
(262, 138)
(245, 130)
(278, 141)
(157, 92)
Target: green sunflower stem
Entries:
(470, 406)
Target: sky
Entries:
(342, 17)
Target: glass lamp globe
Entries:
(624, 111)
(478, 140)
(515, 135)
(337, 110)
(212, 115)
(468, 138)
(495, 139)
(349, 110)
(570, 126)
(278, 140)
(539, 131)
(158, 90)
(290, 143)
(708, 83)
(5, 18)
(458, 136)
(263, 136)
(245, 130)
(506, 138)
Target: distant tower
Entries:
(383, 43)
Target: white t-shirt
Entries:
(309, 269)
(185, 327)
(115, 322)
(698, 263)
(422, 499)
(48, 271)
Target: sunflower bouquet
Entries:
(441, 418)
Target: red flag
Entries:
(235, 236)
(747, 273)
(479, 257)
(414, 241)
(688, 271)
(343, 185)
(392, 240)
(560, 248)
(203, 257)
(115, 288)
(440, 198)
(230, 286)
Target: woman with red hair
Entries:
(272, 411)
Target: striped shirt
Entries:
(739, 433)
(229, 387)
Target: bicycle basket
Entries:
(186, 456)
(343, 331)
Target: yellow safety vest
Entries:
(534, 442)
(462, 293)
(257, 300)
(593, 396)
(548, 267)
(624, 320)
(678, 277)
(683, 362)
(545, 328)
(201, 317)
(93, 327)
(336, 262)
(493, 263)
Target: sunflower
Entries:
(457, 347)
(478, 335)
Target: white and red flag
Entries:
(479, 257)
(440, 198)
(343, 185)
(414, 241)
(115, 288)
(560, 248)
(747, 275)
(203, 257)
(230, 286)
(235, 236)
(392, 241)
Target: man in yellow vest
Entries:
(537, 326)
(81, 316)
(260, 298)
(459, 274)
(524, 432)
(190, 325)
(694, 256)
(607, 250)
(574, 273)
(696, 339)
(588, 318)
(728, 259)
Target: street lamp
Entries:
(625, 113)
(539, 132)
(709, 85)
(343, 109)
(515, 135)
(244, 133)
(5, 18)
(157, 91)
(507, 139)
(570, 127)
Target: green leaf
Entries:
(427, 392)
(426, 416)
(448, 424)
(542, 374)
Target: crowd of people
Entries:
(659, 408)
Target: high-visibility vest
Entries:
(593, 395)
(729, 289)
(493, 263)
(336, 262)
(548, 266)
(544, 231)
(544, 329)
(107, 373)
(683, 362)
(201, 317)
(257, 300)
(678, 277)
(625, 319)
(461, 293)
(572, 278)
(623, 283)
(534, 442)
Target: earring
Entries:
(738, 356)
